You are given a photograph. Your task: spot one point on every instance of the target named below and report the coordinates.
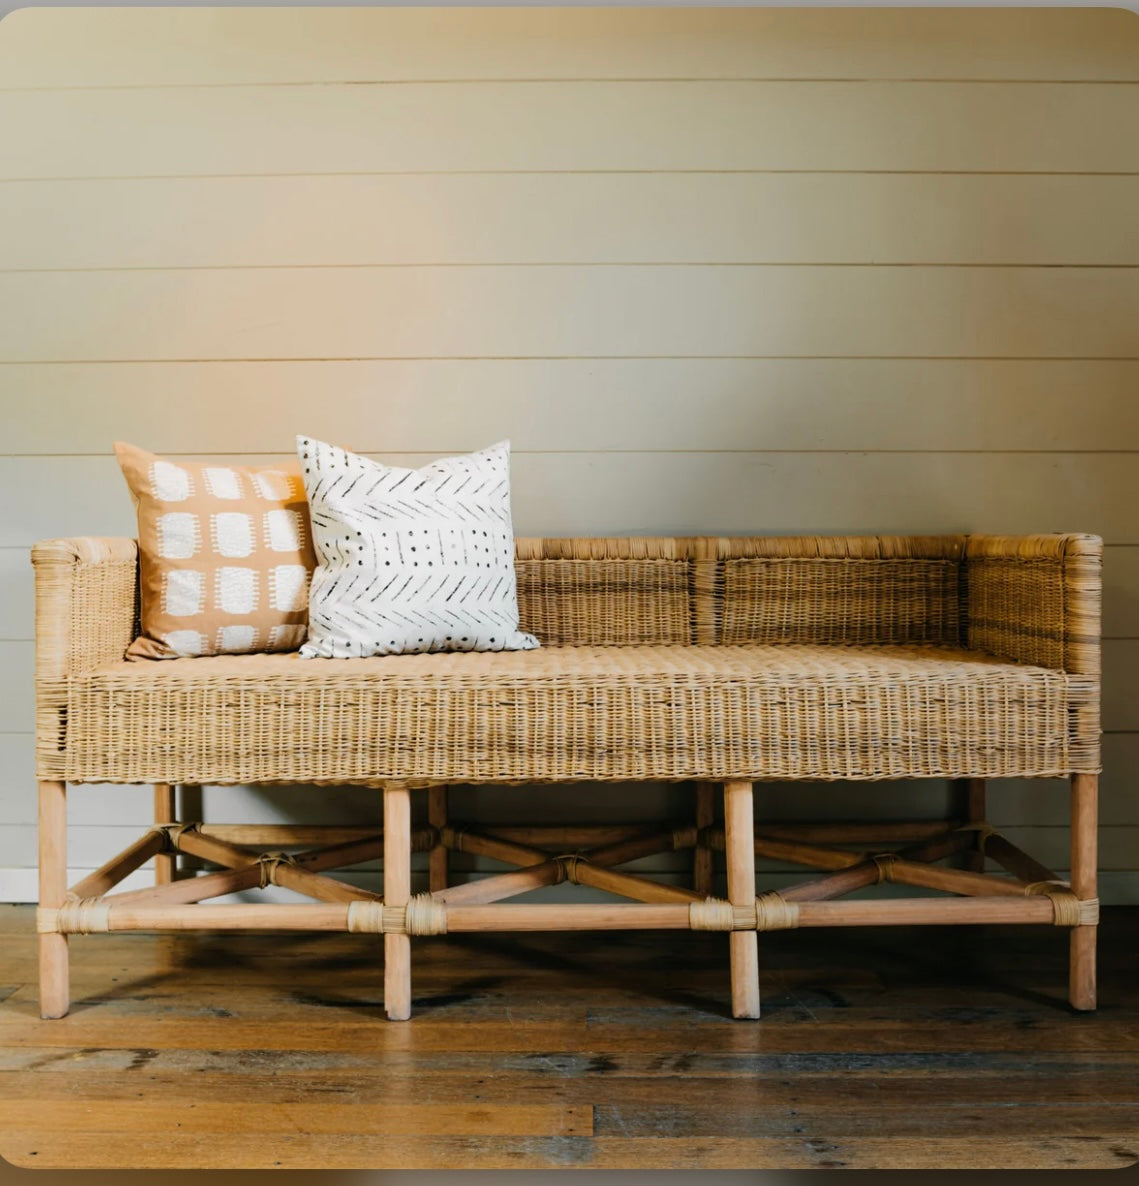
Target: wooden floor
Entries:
(947, 1047)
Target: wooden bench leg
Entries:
(739, 845)
(165, 812)
(397, 892)
(54, 990)
(972, 807)
(1082, 951)
(702, 853)
(437, 818)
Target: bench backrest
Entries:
(713, 590)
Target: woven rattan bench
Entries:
(718, 662)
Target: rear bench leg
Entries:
(702, 853)
(54, 991)
(1082, 951)
(165, 812)
(397, 891)
(739, 845)
(973, 810)
(437, 818)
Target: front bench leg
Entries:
(55, 997)
(739, 846)
(1082, 949)
(397, 892)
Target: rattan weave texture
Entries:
(746, 658)
(619, 713)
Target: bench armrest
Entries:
(86, 604)
(1036, 599)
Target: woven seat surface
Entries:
(574, 712)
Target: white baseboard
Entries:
(19, 886)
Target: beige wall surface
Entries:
(711, 270)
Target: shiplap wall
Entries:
(720, 270)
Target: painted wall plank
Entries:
(1050, 846)
(596, 404)
(827, 218)
(575, 310)
(989, 127)
(49, 48)
(1047, 802)
(88, 847)
(695, 493)
(17, 594)
(1121, 593)
(1121, 685)
(17, 668)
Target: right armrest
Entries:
(1036, 599)
(86, 604)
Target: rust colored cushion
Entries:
(225, 556)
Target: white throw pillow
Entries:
(410, 559)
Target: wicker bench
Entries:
(720, 662)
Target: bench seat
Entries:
(573, 712)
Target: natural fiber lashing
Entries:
(694, 658)
(75, 916)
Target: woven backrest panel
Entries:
(827, 600)
(617, 602)
(751, 589)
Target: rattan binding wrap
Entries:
(672, 658)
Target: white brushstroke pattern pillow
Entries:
(410, 560)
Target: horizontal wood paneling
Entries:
(588, 218)
(441, 406)
(1121, 686)
(17, 706)
(1121, 593)
(480, 312)
(1046, 802)
(693, 493)
(243, 192)
(17, 594)
(988, 127)
(216, 46)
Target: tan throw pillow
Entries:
(411, 560)
(225, 556)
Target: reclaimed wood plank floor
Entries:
(879, 1048)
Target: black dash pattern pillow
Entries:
(410, 559)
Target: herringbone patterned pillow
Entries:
(410, 559)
